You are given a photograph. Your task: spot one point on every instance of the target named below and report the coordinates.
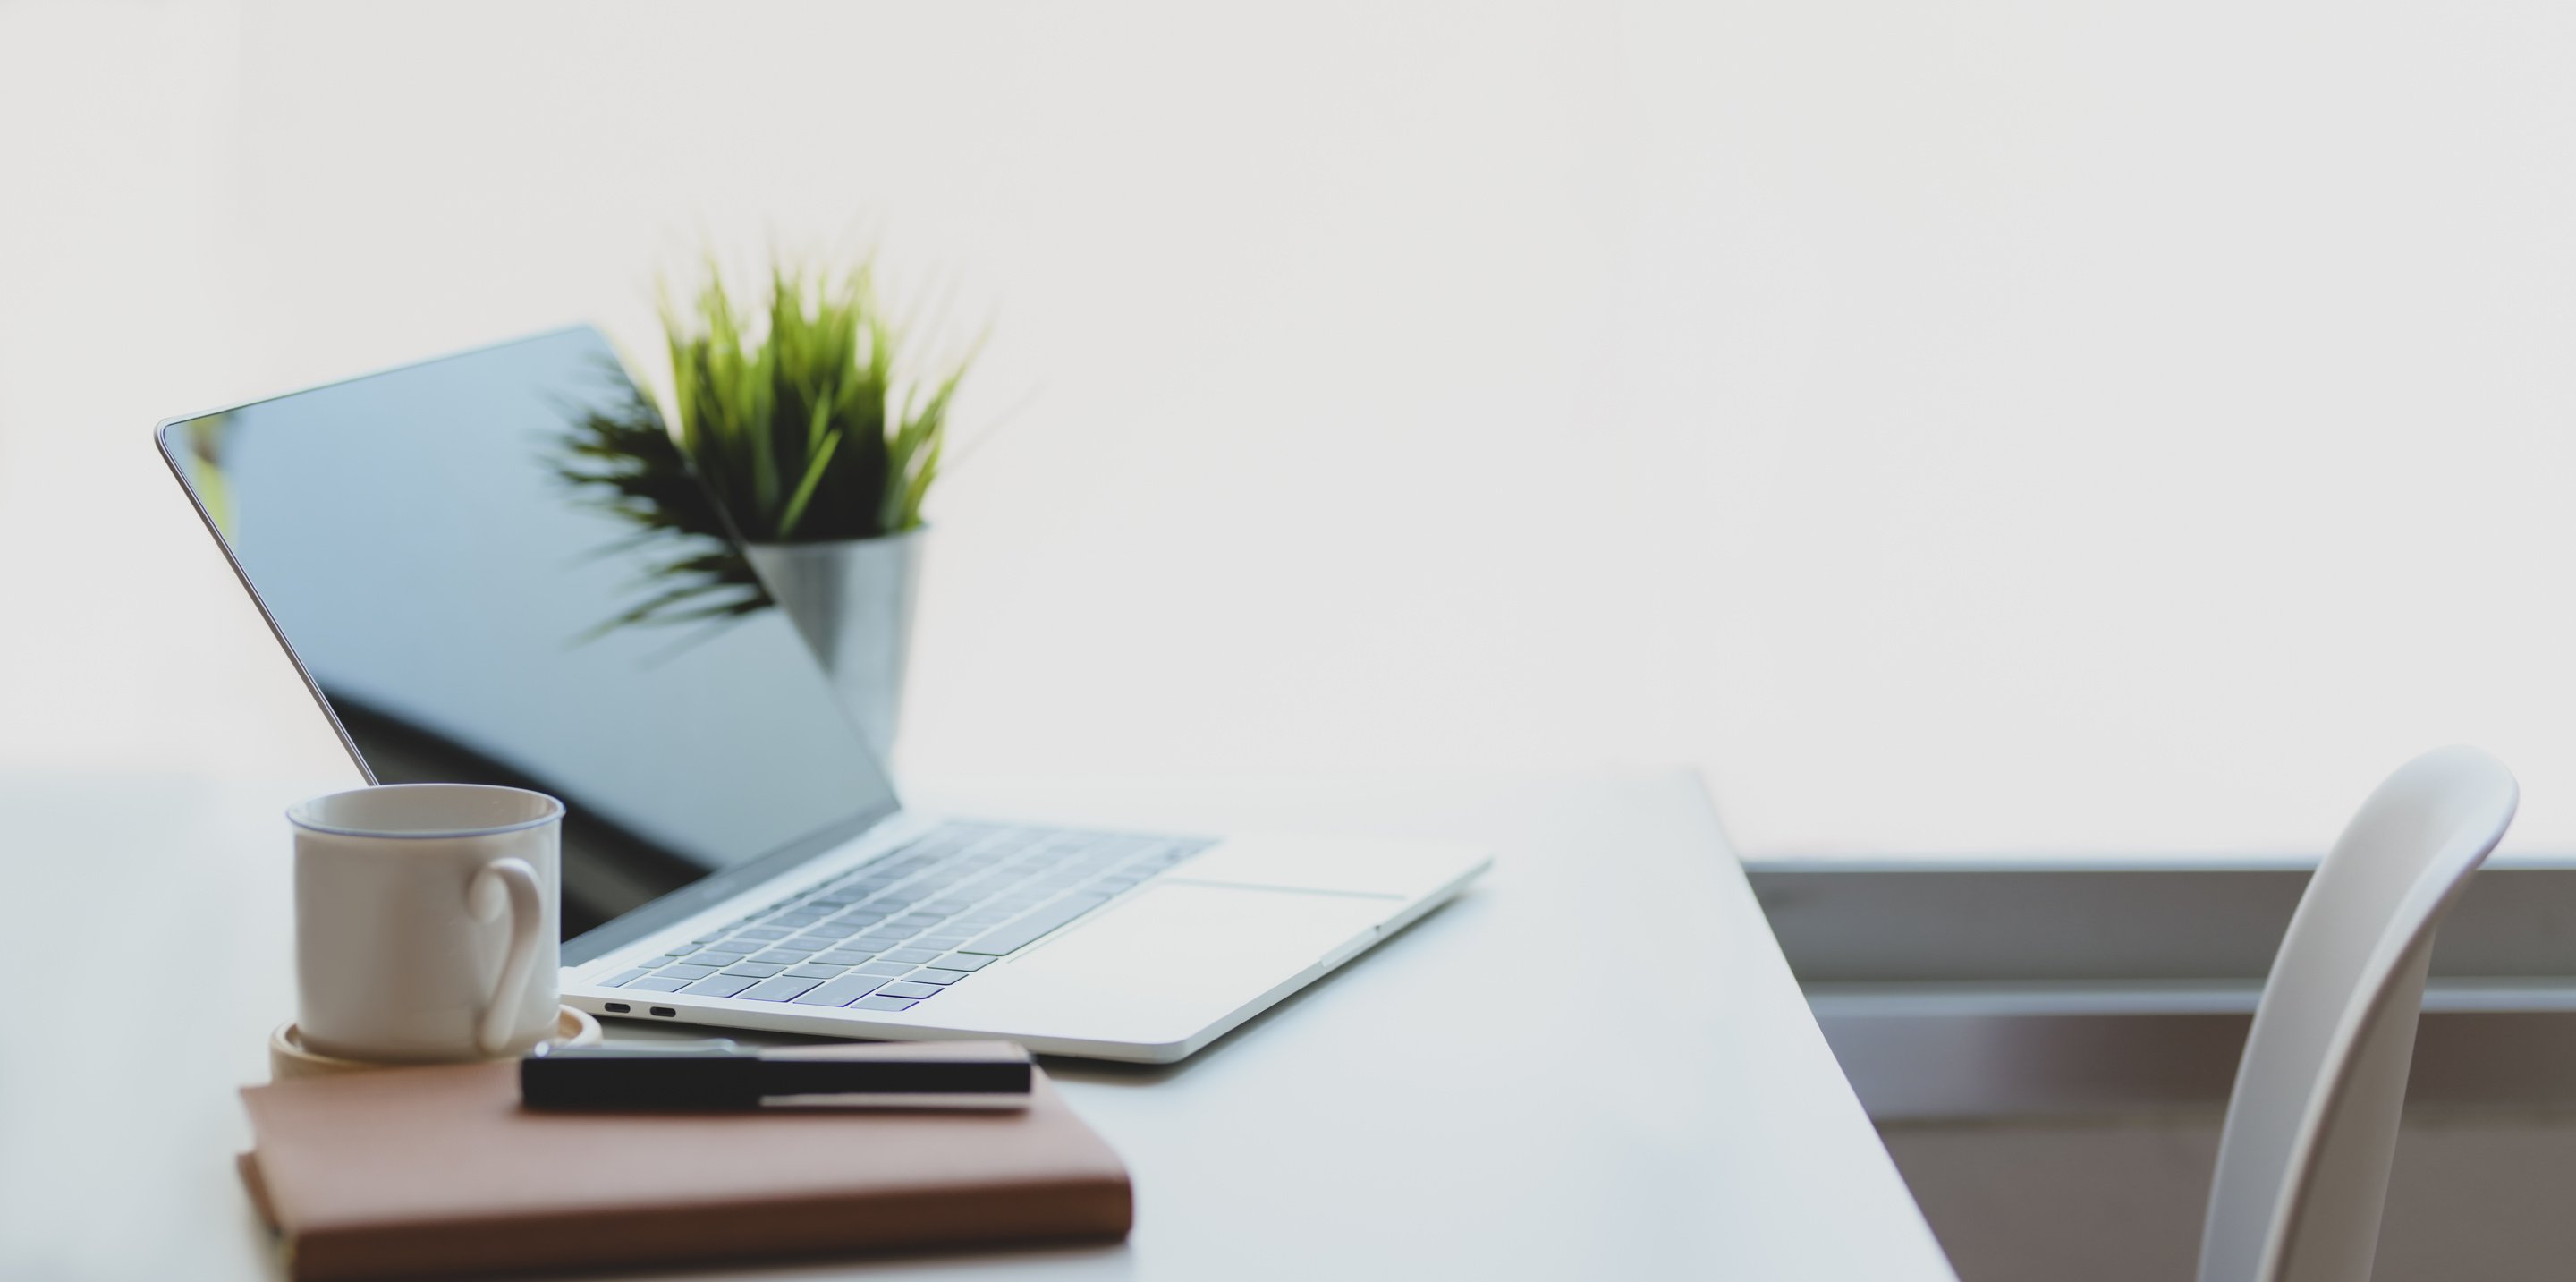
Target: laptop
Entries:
(469, 602)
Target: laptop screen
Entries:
(496, 570)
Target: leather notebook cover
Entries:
(424, 1171)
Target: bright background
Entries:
(1962, 427)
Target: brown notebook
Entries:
(426, 1171)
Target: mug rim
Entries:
(295, 813)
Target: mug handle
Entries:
(507, 885)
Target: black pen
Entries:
(722, 1075)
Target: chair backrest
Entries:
(2303, 1163)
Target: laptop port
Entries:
(618, 1008)
(665, 1012)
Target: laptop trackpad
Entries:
(1183, 926)
(1177, 955)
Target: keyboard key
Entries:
(763, 932)
(677, 950)
(882, 1003)
(629, 976)
(941, 942)
(871, 943)
(713, 958)
(814, 972)
(843, 991)
(906, 988)
(658, 984)
(775, 990)
(1021, 933)
(909, 956)
(802, 918)
(962, 961)
(783, 956)
(939, 977)
(832, 930)
(842, 958)
(718, 985)
(756, 970)
(885, 968)
(685, 971)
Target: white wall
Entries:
(2125, 425)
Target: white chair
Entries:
(2303, 1162)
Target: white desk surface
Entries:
(1596, 1064)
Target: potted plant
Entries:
(812, 430)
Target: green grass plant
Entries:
(800, 413)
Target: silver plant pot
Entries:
(852, 600)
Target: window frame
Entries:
(2111, 934)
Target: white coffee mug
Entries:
(425, 921)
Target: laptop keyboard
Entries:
(902, 929)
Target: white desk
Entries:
(1594, 1065)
